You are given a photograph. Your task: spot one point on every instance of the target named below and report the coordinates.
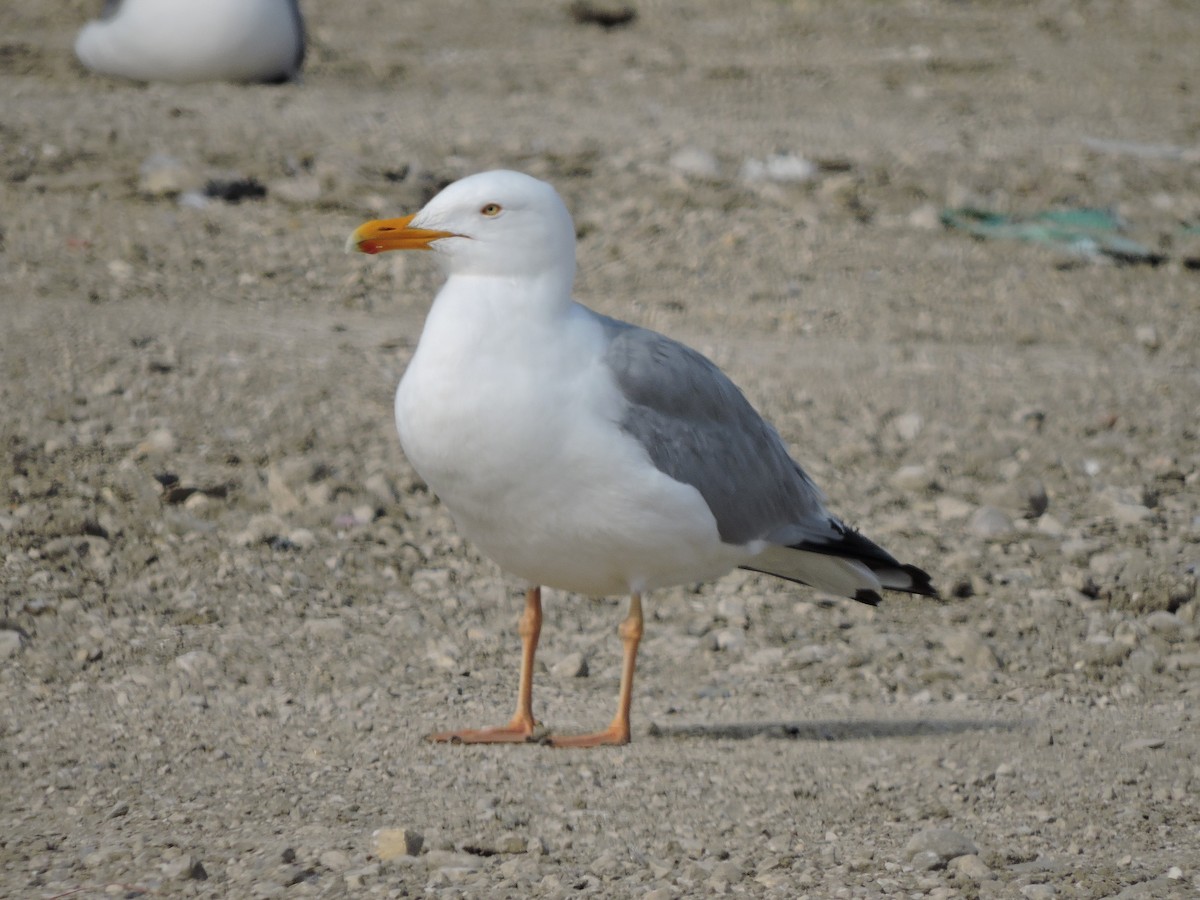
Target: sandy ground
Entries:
(231, 610)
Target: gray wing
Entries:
(699, 429)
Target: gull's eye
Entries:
(491, 210)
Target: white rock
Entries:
(573, 665)
(1038, 891)
(971, 866)
(781, 168)
(951, 508)
(10, 643)
(946, 843)
(1147, 336)
(162, 175)
(695, 162)
(908, 425)
(990, 523)
(911, 478)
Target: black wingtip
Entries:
(921, 582)
(868, 596)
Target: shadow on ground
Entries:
(831, 730)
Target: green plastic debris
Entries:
(1086, 232)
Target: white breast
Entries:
(513, 422)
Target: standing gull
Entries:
(587, 454)
(195, 40)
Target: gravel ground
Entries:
(231, 610)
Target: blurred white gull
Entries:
(195, 40)
(587, 454)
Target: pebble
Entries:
(156, 443)
(184, 868)
(972, 866)
(573, 665)
(990, 523)
(197, 662)
(390, 843)
(1038, 891)
(927, 860)
(1147, 336)
(952, 508)
(302, 190)
(912, 478)
(10, 643)
(1166, 624)
(1103, 651)
(946, 843)
(162, 175)
(781, 168)
(1149, 743)
(695, 162)
(965, 644)
(728, 639)
(908, 425)
(334, 860)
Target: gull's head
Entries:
(500, 223)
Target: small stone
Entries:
(728, 872)
(197, 662)
(359, 878)
(573, 665)
(334, 860)
(390, 843)
(158, 442)
(260, 529)
(1166, 624)
(964, 644)
(302, 190)
(1031, 417)
(945, 842)
(450, 860)
(781, 168)
(184, 868)
(926, 217)
(330, 628)
(952, 508)
(990, 523)
(908, 426)
(162, 175)
(728, 639)
(1147, 336)
(971, 866)
(1038, 891)
(1150, 743)
(695, 162)
(1103, 651)
(121, 808)
(927, 860)
(1033, 497)
(912, 478)
(511, 843)
(10, 643)
(302, 538)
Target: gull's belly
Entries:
(548, 486)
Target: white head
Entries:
(494, 224)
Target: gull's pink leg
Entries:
(618, 731)
(522, 726)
